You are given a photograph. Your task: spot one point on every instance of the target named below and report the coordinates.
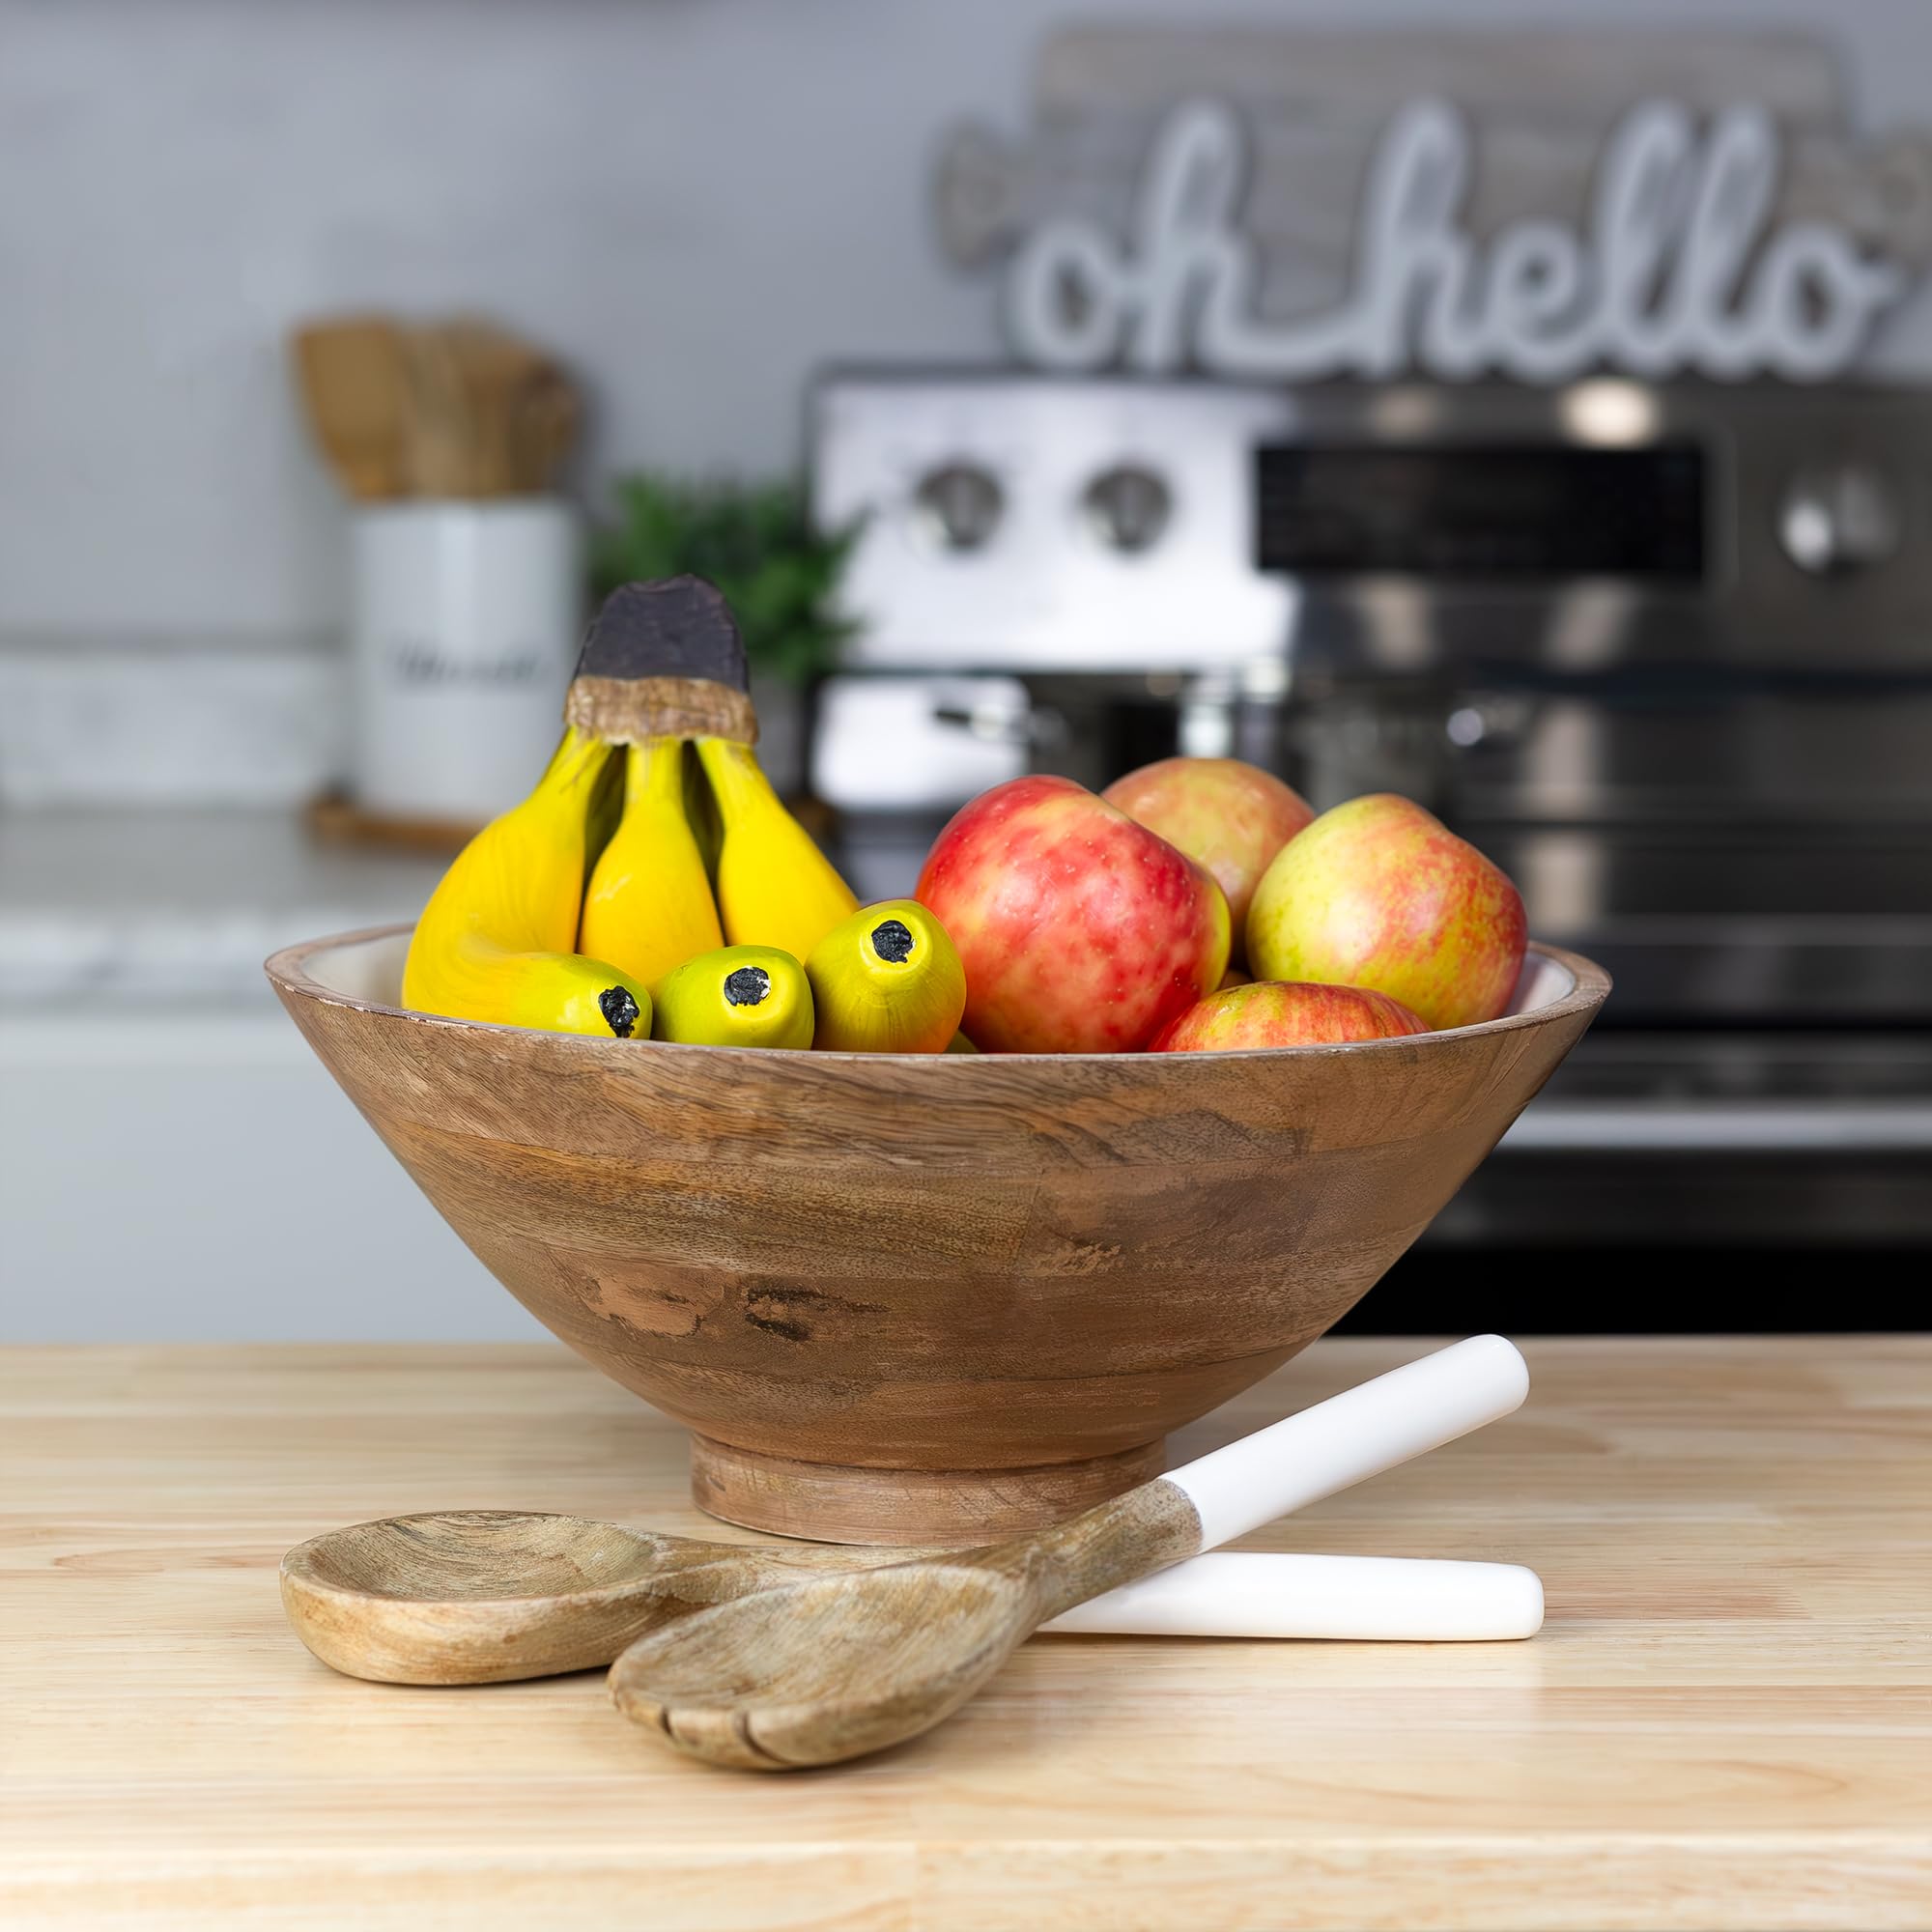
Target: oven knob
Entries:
(959, 506)
(1838, 519)
(1127, 507)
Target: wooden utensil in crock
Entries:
(934, 1299)
(352, 375)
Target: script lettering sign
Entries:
(1677, 268)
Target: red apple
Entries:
(1269, 1013)
(1378, 893)
(1081, 931)
(1227, 816)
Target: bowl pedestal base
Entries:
(955, 1509)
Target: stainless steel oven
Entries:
(1664, 652)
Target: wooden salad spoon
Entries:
(826, 1667)
(488, 1596)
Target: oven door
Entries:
(1763, 1072)
(1737, 1138)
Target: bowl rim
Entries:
(287, 970)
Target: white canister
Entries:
(466, 620)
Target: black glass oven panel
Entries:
(1487, 510)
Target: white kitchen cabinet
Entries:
(184, 1176)
(175, 1164)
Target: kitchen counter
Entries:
(163, 906)
(1726, 1722)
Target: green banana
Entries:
(737, 996)
(887, 980)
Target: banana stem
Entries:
(734, 773)
(655, 771)
(576, 760)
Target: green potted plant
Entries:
(757, 543)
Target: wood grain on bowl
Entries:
(971, 1264)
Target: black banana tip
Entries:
(619, 1009)
(892, 938)
(747, 985)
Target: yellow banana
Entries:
(606, 811)
(495, 941)
(775, 886)
(887, 980)
(737, 996)
(701, 813)
(649, 905)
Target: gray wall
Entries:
(695, 200)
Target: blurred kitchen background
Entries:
(618, 286)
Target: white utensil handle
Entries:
(1375, 1599)
(1352, 1437)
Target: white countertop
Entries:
(178, 907)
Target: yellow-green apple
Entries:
(1381, 894)
(1225, 815)
(1269, 1013)
(1081, 930)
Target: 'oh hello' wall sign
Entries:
(1675, 273)
(1685, 256)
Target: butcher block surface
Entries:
(1726, 1722)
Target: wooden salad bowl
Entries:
(931, 1300)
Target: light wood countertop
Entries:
(1727, 1720)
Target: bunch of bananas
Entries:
(701, 912)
